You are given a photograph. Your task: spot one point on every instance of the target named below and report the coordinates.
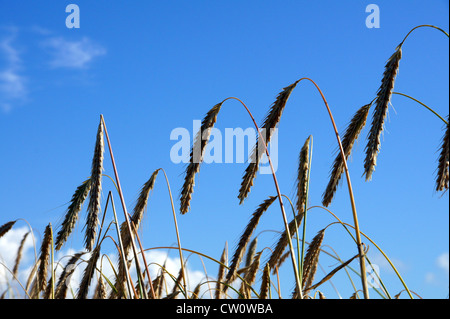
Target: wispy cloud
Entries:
(443, 261)
(72, 54)
(12, 82)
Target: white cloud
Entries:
(12, 83)
(443, 261)
(72, 54)
(10, 242)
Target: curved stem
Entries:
(421, 26)
(424, 105)
(368, 238)
(350, 190)
(177, 232)
(280, 200)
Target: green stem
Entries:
(424, 105)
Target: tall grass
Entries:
(236, 277)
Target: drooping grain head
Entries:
(72, 213)
(88, 274)
(63, 281)
(245, 238)
(271, 121)
(196, 157)
(19, 255)
(6, 228)
(442, 178)
(381, 108)
(351, 134)
(96, 189)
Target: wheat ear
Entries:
(351, 134)
(96, 189)
(265, 283)
(245, 238)
(381, 107)
(88, 274)
(442, 178)
(44, 259)
(312, 259)
(302, 177)
(271, 121)
(19, 255)
(6, 228)
(63, 284)
(283, 241)
(250, 276)
(196, 157)
(138, 213)
(72, 213)
(221, 272)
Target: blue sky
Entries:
(154, 66)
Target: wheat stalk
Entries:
(72, 213)
(331, 274)
(381, 107)
(138, 213)
(196, 157)
(96, 188)
(271, 121)
(351, 134)
(442, 178)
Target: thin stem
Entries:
(352, 199)
(122, 200)
(177, 232)
(368, 238)
(122, 251)
(424, 105)
(421, 26)
(280, 200)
